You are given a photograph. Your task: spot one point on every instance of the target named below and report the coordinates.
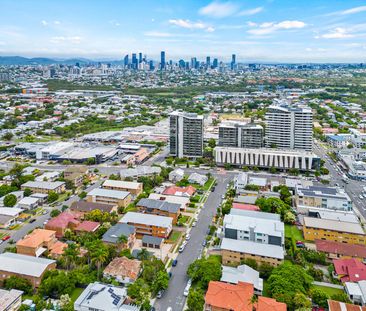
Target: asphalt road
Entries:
(173, 297)
(17, 235)
(354, 188)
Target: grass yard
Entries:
(76, 293)
(174, 237)
(329, 290)
(208, 184)
(292, 231)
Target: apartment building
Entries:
(134, 188)
(186, 135)
(333, 198)
(241, 135)
(76, 174)
(111, 197)
(289, 127)
(146, 224)
(333, 230)
(159, 207)
(44, 186)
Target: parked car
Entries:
(188, 286)
(32, 220)
(160, 294)
(188, 236)
(194, 223)
(175, 262)
(204, 243)
(181, 248)
(5, 238)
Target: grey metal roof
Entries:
(147, 219)
(84, 206)
(49, 185)
(114, 232)
(159, 204)
(23, 264)
(117, 194)
(152, 240)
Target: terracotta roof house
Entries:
(335, 250)
(269, 304)
(221, 296)
(86, 207)
(349, 270)
(60, 223)
(180, 191)
(39, 241)
(87, 226)
(124, 270)
(246, 207)
(341, 306)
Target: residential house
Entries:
(176, 175)
(87, 207)
(87, 226)
(107, 196)
(149, 241)
(115, 232)
(28, 203)
(356, 292)
(76, 174)
(139, 171)
(27, 267)
(123, 270)
(158, 207)
(10, 300)
(135, 188)
(196, 178)
(182, 201)
(349, 270)
(334, 305)
(39, 241)
(103, 297)
(146, 224)
(44, 186)
(336, 250)
(180, 191)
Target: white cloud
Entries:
(158, 34)
(354, 10)
(270, 27)
(218, 9)
(44, 23)
(186, 23)
(62, 39)
(114, 23)
(57, 22)
(337, 33)
(251, 11)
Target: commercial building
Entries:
(106, 196)
(134, 188)
(27, 267)
(103, 297)
(186, 135)
(44, 186)
(333, 230)
(159, 207)
(289, 127)
(333, 198)
(267, 158)
(241, 135)
(10, 300)
(146, 224)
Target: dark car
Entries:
(175, 262)
(32, 220)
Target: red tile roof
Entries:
(63, 220)
(88, 226)
(269, 304)
(350, 270)
(246, 207)
(345, 249)
(229, 296)
(341, 306)
(180, 191)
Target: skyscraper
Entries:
(140, 58)
(241, 135)
(215, 63)
(208, 61)
(289, 127)
(233, 62)
(125, 61)
(134, 61)
(162, 60)
(186, 135)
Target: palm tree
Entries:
(122, 240)
(100, 256)
(254, 301)
(70, 255)
(143, 254)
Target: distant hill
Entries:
(19, 60)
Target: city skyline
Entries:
(256, 31)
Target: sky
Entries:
(263, 30)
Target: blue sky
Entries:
(265, 30)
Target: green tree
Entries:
(10, 200)
(195, 300)
(8, 136)
(203, 270)
(27, 192)
(143, 254)
(301, 301)
(55, 213)
(139, 291)
(56, 283)
(52, 197)
(341, 297)
(319, 297)
(19, 283)
(82, 195)
(160, 282)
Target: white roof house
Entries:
(195, 178)
(103, 297)
(28, 202)
(122, 184)
(10, 211)
(48, 185)
(242, 273)
(116, 194)
(176, 175)
(147, 219)
(356, 291)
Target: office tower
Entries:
(151, 65)
(215, 63)
(289, 127)
(162, 60)
(125, 61)
(140, 58)
(193, 62)
(241, 135)
(186, 135)
(182, 64)
(233, 62)
(134, 61)
(208, 61)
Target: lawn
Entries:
(208, 184)
(292, 231)
(330, 290)
(76, 293)
(175, 236)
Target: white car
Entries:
(194, 223)
(188, 236)
(169, 309)
(186, 290)
(181, 248)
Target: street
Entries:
(173, 296)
